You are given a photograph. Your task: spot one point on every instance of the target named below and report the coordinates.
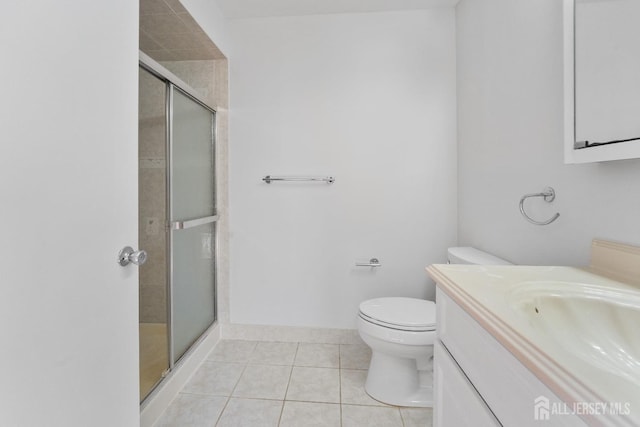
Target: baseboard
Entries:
(234, 331)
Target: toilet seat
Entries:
(405, 314)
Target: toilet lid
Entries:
(403, 313)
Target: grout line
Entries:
(323, 402)
(223, 409)
(290, 374)
(257, 398)
(401, 417)
(191, 393)
(235, 385)
(284, 399)
(340, 378)
(295, 356)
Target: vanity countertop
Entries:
(580, 360)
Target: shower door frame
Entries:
(173, 83)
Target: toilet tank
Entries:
(468, 255)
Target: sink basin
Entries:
(596, 324)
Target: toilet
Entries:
(401, 332)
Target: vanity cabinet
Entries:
(458, 402)
(478, 382)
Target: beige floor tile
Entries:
(322, 384)
(354, 356)
(189, 410)
(314, 385)
(215, 378)
(352, 388)
(251, 413)
(305, 414)
(274, 353)
(417, 417)
(263, 382)
(237, 351)
(370, 416)
(318, 355)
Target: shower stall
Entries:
(177, 220)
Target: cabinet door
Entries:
(457, 403)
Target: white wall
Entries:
(370, 99)
(510, 133)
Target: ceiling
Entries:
(238, 9)
(169, 33)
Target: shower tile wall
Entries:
(221, 94)
(152, 200)
(197, 74)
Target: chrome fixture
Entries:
(549, 194)
(327, 179)
(182, 225)
(127, 255)
(373, 262)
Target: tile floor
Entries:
(249, 383)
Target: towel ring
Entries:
(549, 194)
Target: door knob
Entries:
(128, 255)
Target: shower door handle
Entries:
(128, 256)
(183, 225)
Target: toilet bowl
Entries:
(401, 333)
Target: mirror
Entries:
(602, 80)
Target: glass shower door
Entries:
(192, 219)
(152, 178)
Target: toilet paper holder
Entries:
(373, 262)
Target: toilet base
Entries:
(397, 381)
